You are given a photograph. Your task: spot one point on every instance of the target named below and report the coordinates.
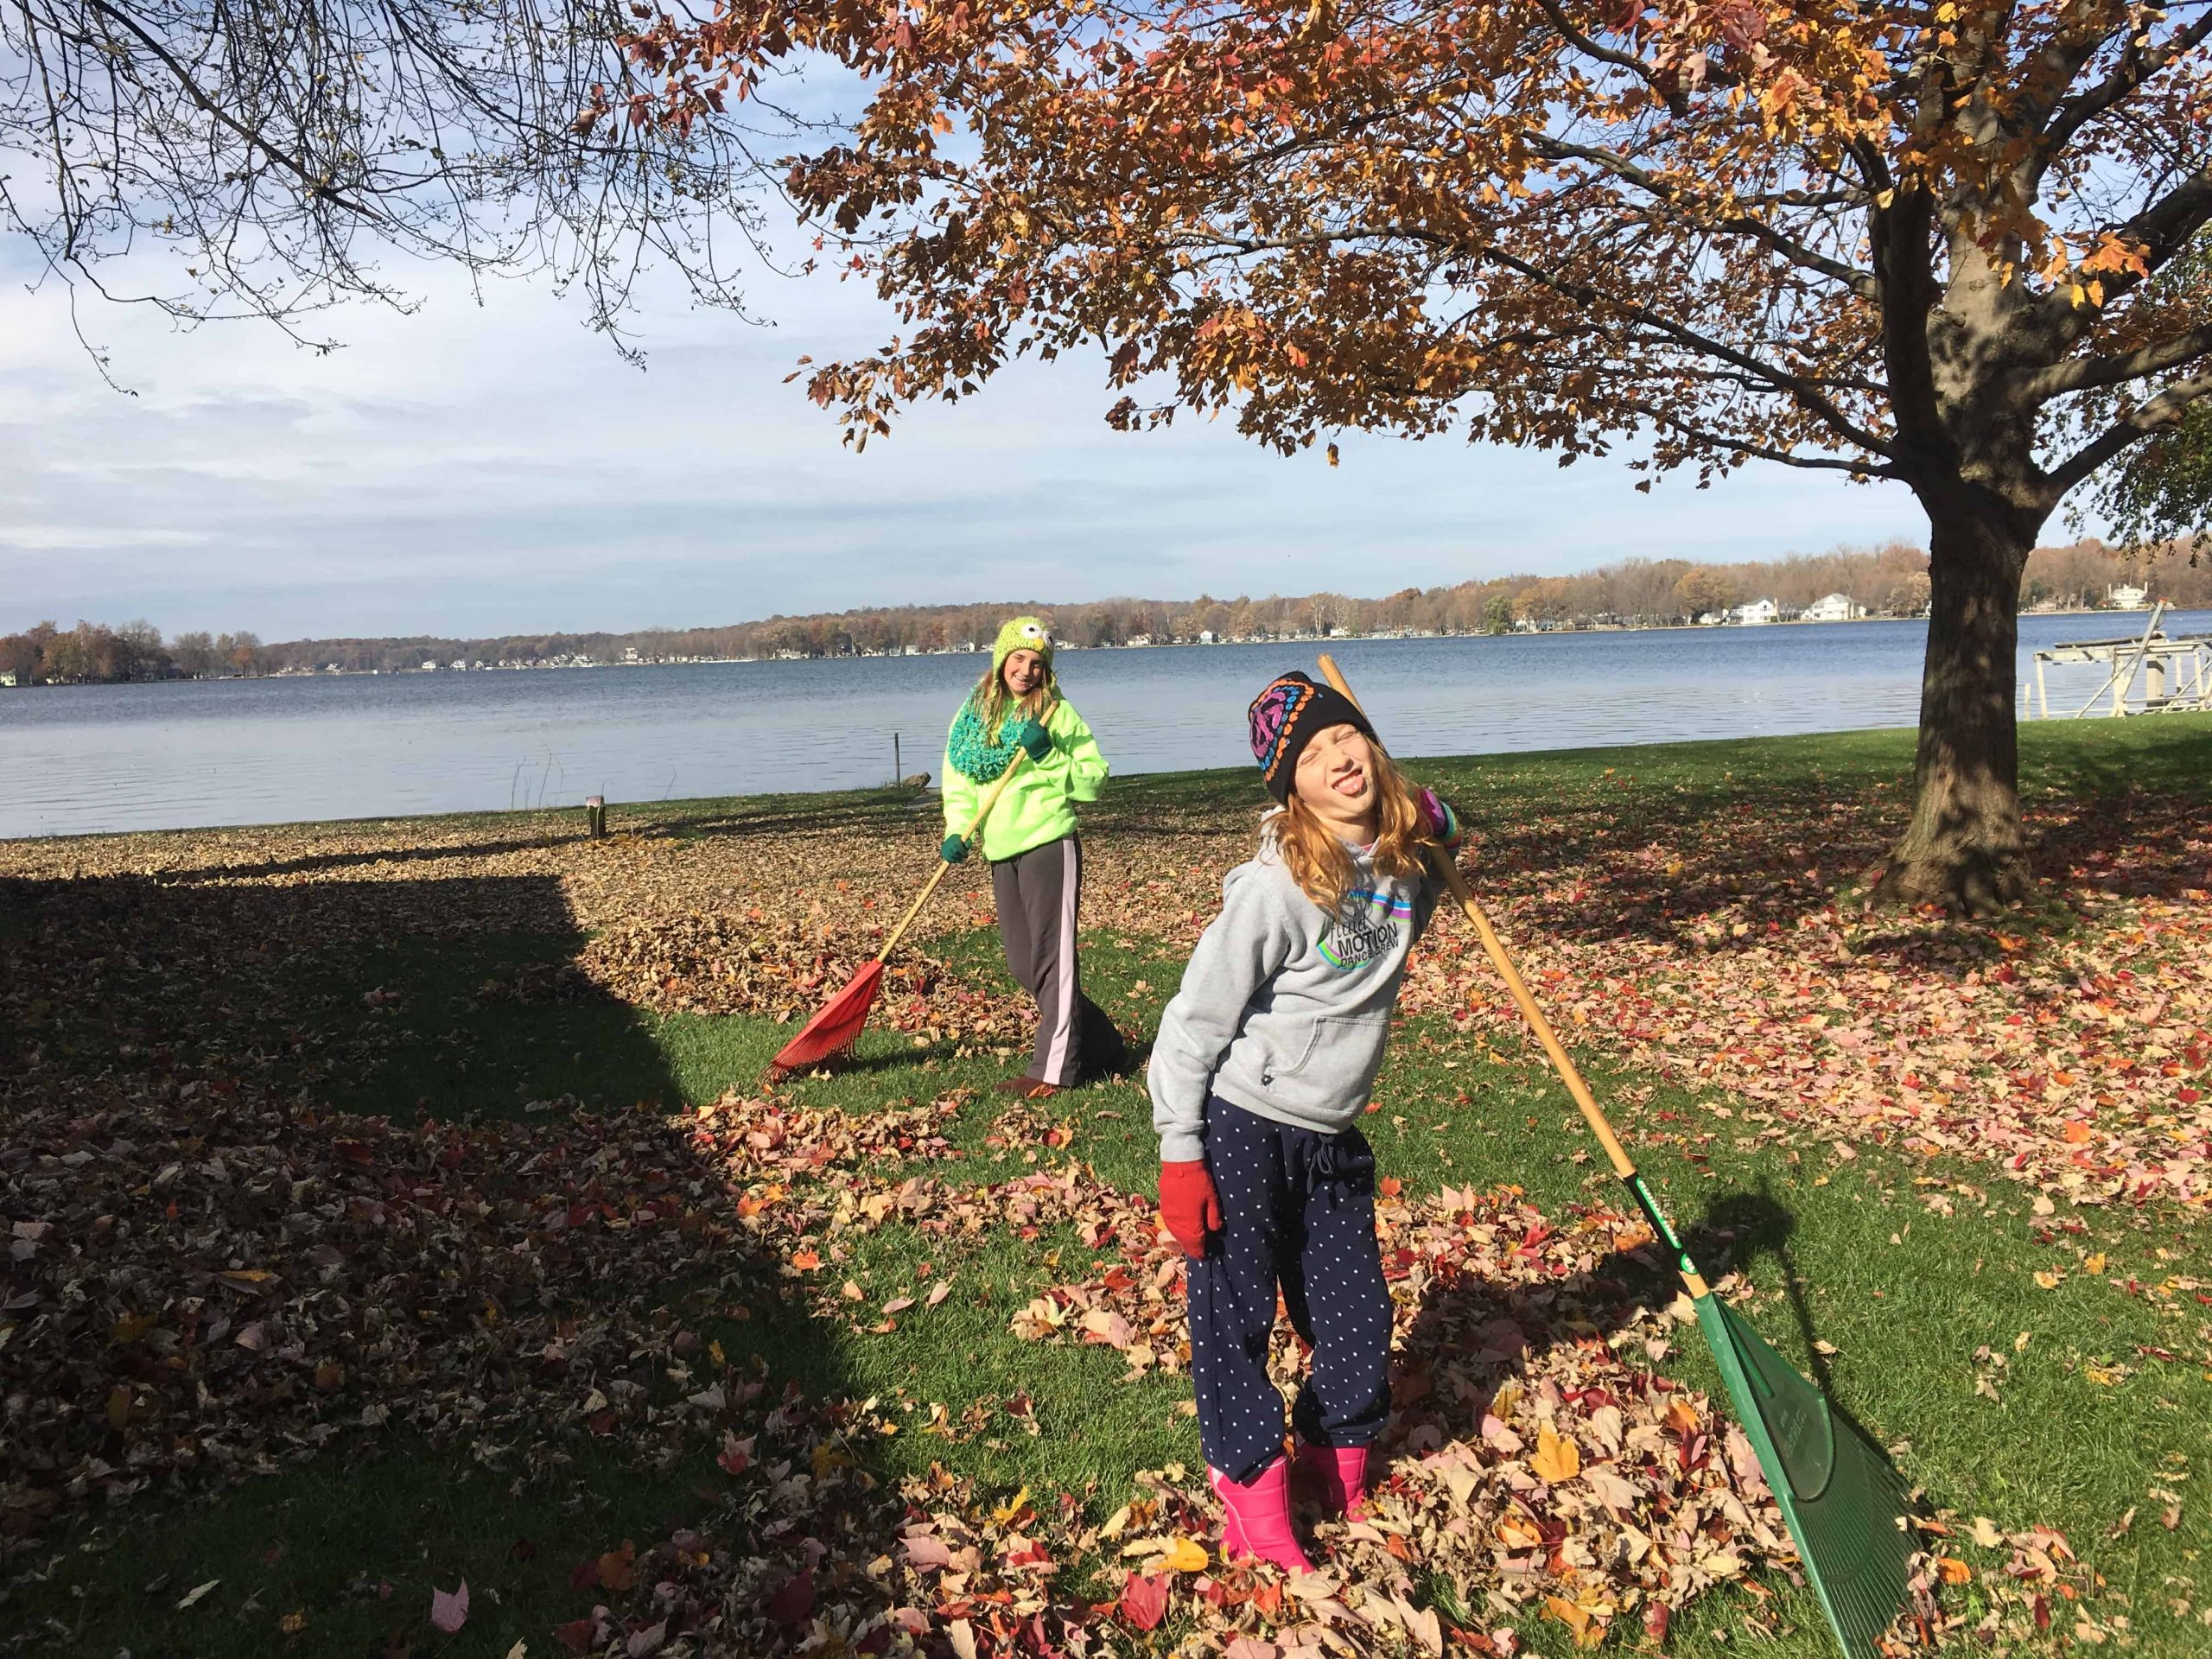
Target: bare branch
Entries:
(2135, 70)
(2162, 410)
(1757, 451)
(2095, 373)
(1861, 282)
(1798, 386)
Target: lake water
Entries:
(78, 759)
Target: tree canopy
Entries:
(1932, 243)
(272, 160)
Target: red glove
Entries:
(1189, 1204)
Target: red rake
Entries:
(837, 1026)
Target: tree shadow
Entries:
(559, 827)
(452, 997)
(322, 863)
(1728, 874)
(327, 1170)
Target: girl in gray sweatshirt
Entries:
(1262, 1067)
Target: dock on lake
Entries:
(2174, 671)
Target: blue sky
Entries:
(495, 467)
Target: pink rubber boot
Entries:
(1341, 1473)
(1255, 1517)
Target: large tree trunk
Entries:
(1963, 849)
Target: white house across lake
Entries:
(1835, 607)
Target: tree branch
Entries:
(1756, 451)
(1860, 282)
(2072, 114)
(2160, 411)
(2091, 374)
(1798, 385)
(190, 88)
(2163, 229)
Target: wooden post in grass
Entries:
(595, 815)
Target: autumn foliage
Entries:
(1932, 243)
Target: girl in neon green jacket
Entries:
(1030, 839)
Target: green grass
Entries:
(1845, 1253)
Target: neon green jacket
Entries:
(1038, 806)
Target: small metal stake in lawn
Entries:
(837, 1026)
(1845, 1504)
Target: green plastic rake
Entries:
(1846, 1505)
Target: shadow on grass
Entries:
(1608, 858)
(450, 998)
(219, 1275)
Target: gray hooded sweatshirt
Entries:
(1284, 1010)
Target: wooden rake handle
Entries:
(1623, 1165)
(991, 800)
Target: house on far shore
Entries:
(1836, 607)
(1758, 611)
(2127, 598)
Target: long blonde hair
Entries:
(1318, 859)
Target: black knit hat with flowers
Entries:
(1286, 716)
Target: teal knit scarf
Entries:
(975, 750)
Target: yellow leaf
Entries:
(1556, 1459)
(1567, 1613)
(1184, 1555)
(2048, 1281)
(1014, 1506)
(2095, 1263)
(1953, 1570)
(131, 1327)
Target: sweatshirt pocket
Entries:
(1336, 1048)
(1291, 1060)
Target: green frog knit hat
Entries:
(1022, 633)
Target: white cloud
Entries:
(482, 468)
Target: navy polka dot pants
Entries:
(1298, 1211)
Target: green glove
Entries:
(1031, 736)
(954, 849)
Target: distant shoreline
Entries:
(1389, 637)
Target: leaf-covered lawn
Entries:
(393, 1209)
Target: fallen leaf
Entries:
(1557, 1459)
(618, 1569)
(1183, 1555)
(449, 1612)
(1144, 1600)
(793, 1599)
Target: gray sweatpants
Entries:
(1037, 894)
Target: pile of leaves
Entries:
(710, 961)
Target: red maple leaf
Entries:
(1144, 1601)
